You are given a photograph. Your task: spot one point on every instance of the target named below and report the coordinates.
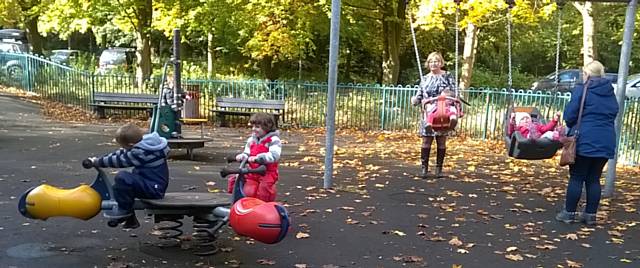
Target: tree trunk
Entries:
(468, 55)
(210, 55)
(393, 17)
(588, 29)
(143, 43)
(35, 39)
(269, 69)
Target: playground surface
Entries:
(490, 210)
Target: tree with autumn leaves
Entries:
(282, 37)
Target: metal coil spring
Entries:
(171, 231)
(204, 236)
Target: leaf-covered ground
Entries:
(489, 210)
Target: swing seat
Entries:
(520, 147)
(441, 120)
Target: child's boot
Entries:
(440, 161)
(589, 218)
(453, 121)
(424, 159)
(427, 127)
(131, 222)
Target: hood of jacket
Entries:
(152, 142)
(601, 86)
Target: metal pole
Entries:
(176, 66)
(623, 71)
(331, 94)
(177, 80)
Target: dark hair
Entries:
(264, 120)
(128, 134)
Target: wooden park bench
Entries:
(246, 107)
(122, 101)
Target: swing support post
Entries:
(623, 71)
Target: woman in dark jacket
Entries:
(596, 142)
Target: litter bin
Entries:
(191, 108)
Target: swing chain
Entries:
(457, 44)
(559, 40)
(510, 81)
(415, 45)
(560, 5)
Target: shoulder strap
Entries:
(584, 96)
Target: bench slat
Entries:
(123, 106)
(125, 97)
(237, 112)
(249, 105)
(238, 100)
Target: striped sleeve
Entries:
(275, 148)
(117, 159)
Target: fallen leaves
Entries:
(265, 262)
(301, 235)
(408, 259)
(514, 257)
(455, 242)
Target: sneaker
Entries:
(589, 218)
(566, 217)
(117, 213)
(131, 222)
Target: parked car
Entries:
(64, 56)
(633, 86)
(13, 41)
(567, 80)
(116, 59)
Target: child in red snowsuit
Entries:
(430, 110)
(534, 130)
(263, 146)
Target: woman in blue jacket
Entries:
(596, 142)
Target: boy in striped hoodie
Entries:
(263, 147)
(149, 178)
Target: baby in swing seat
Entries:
(535, 130)
(431, 109)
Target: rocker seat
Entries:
(188, 200)
(46, 201)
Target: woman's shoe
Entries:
(566, 217)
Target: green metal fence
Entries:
(366, 107)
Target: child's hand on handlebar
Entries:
(252, 159)
(241, 157)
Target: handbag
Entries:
(568, 156)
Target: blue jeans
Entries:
(129, 186)
(587, 171)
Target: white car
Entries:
(633, 86)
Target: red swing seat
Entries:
(441, 120)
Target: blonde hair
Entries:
(128, 134)
(594, 69)
(434, 56)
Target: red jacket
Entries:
(525, 130)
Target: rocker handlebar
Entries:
(87, 163)
(232, 158)
(228, 171)
(447, 98)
